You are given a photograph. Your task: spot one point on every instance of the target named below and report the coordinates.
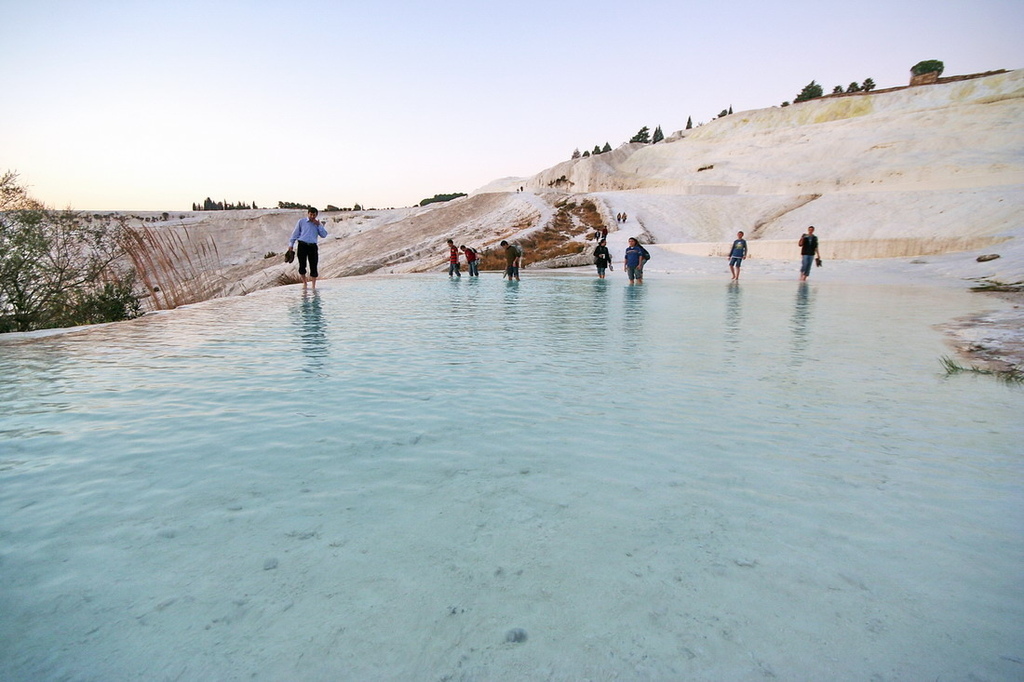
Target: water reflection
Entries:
(596, 304)
(733, 315)
(309, 320)
(801, 316)
(633, 316)
(511, 301)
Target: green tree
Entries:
(853, 87)
(597, 150)
(658, 135)
(723, 113)
(689, 122)
(58, 269)
(606, 148)
(576, 153)
(811, 91)
(928, 66)
(440, 198)
(838, 90)
(643, 135)
(868, 85)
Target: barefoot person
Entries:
(453, 260)
(808, 253)
(602, 258)
(305, 233)
(472, 260)
(634, 261)
(513, 260)
(737, 254)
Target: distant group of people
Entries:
(633, 262)
(472, 260)
(303, 244)
(513, 260)
(809, 254)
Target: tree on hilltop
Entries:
(868, 85)
(658, 135)
(853, 87)
(689, 122)
(597, 150)
(928, 66)
(576, 153)
(441, 198)
(838, 90)
(811, 91)
(606, 148)
(643, 136)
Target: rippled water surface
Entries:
(685, 480)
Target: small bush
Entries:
(928, 66)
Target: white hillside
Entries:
(939, 168)
(938, 160)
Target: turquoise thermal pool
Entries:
(565, 478)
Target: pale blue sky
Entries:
(156, 105)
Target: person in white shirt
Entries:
(305, 233)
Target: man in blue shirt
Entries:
(634, 262)
(305, 233)
(736, 255)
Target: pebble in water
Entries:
(516, 635)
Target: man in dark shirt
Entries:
(808, 252)
(737, 254)
(602, 258)
(513, 260)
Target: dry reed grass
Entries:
(175, 266)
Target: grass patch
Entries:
(1012, 376)
(1014, 288)
(289, 277)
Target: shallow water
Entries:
(381, 480)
